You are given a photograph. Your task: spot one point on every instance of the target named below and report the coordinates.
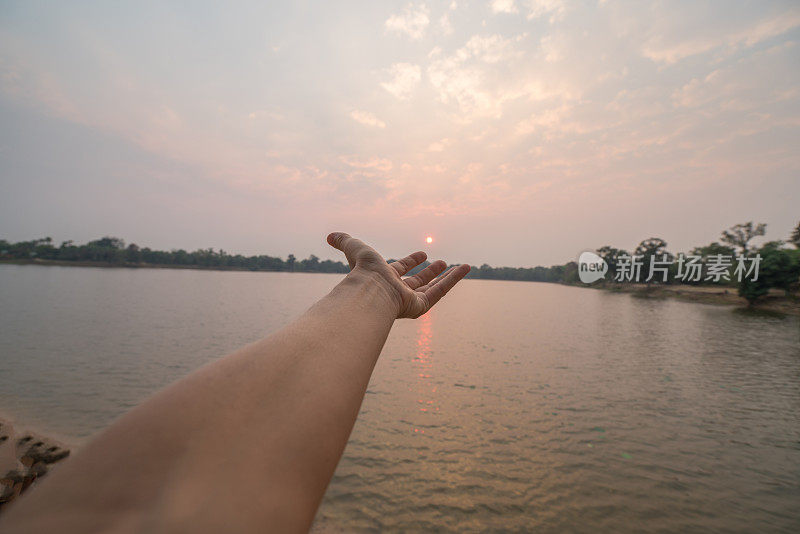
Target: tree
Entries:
(752, 290)
(44, 248)
(779, 268)
(132, 254)
(570, 275)
(611, 256)
(739, 236)
(713, 249)
(310, 264)
(794, 239)
(290, 261)
(653, 250)
(106, 249)
(709, 254)
(556, 273)
(654, 246)
(107, 242)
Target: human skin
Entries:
(249, 442)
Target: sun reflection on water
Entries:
(424, 366)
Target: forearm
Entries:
(247, 442)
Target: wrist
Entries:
(373, 289)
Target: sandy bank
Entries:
(776, 301)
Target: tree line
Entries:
(113, 251)
(779, 265)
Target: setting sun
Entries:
(429, 240)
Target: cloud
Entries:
(36, 87)
(440, 145)
(470, 77)
(405, 78)
(367, 119)
(503, 6)
(695, 92)
(551, 51)
(665, 48)
(378, 164)
(546, 120)
(489, 48)
(412, 21)
(740, 86)
(462, 85)
(445, 24)
(767, 29)
(542, 8)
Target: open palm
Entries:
(415, 294)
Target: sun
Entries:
(429, 240)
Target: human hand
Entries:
(414, 295)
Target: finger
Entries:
(347, 244)
(409, 262)
(432, 283)
(440, 289)
(426, 275)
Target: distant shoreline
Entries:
(775, 302)
(110, 265)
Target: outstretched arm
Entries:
(249, 442)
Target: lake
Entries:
(512, 406)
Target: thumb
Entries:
(347, 244)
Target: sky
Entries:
(514, 132)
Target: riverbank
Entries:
(25, 457)
(127, 265)
(776, 301)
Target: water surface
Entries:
(512, 406)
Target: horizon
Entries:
(756, 241)
(514, 133)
